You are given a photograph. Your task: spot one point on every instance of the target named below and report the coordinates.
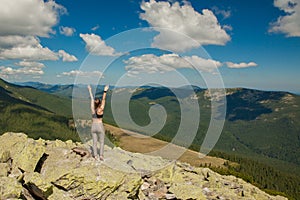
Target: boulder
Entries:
(10, 188)
(37, 186)
(29, 156)
(11, 145)
(57, 170)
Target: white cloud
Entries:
(95, 27)
(16, 40)
(225, 13)
(227, 27)
(28, 52)
(24, 47)
(202, 27)
(30, 17)
(29, 48)
(24, 68)
(66, 57)
(74, 73)
(202, 64)
(240, 65)
(67, 31)
(96, 46)
(36, 65)
(22, 22)
(150, 63)
(288, 24)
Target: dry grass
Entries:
(134, 142)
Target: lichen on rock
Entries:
(57, 170)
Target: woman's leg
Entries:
(102, 134)
(95, 140)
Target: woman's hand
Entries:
(106, 88)
(89, 88)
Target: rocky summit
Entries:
(54, 170)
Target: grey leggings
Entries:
(98, 129)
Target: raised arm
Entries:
(104, 97)
(92, 99)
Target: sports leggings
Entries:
(98, 130)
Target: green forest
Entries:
(259, 174)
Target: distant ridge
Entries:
(27, 109)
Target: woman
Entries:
(97, 109)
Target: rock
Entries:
(11, 146)
(10, 188)
(30, 155)
(59, 162)
(16, 173)
(134, 162)
(27, 194)
(170, 196)
(141, 195)
(129, 189)
(4, 169)
(186, 191)
(56, 170)
(93, 182)
(5, 156)
(145, 186)
(59, 194)
(83, 152)
(36, 185)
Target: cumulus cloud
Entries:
(29, 48)
(202, 64)
(66, 57)
(22, 23)
(67, 31)
(24, 68)
(288, 24)
(30, 17)
(202, 27)
(241, 65)
(28, 53)
(36, 65)
(10, 41)
(96, 46)
(150, 63)
(24, 47)
(74, 73)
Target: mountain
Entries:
(261, 124)
(60, 90)
(257, 122)
(262, 129)
(29, 110)
(56, 170)
(56, 104)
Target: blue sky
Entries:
(253, 44)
